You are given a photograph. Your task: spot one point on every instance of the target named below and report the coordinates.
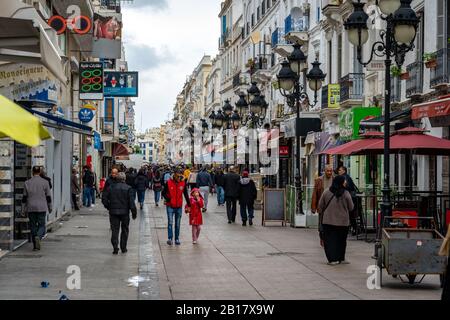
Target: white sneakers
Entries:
(194, 242)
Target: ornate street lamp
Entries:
(290, 86)
(398, 39)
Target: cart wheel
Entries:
(411, 278)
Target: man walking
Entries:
(119, 201)
(37, 199)
(88, 184)
(173, 193)
(204, 183)
(320, 185)
(351, 187)
(219, 183)
(75, 189)
(247, 196)
(231, 186)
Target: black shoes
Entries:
(229, 221)
(250, 222)
(37, 243)
(116, 251)
(142, 206)
(244, 223)
(124, 250)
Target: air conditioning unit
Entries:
(44, 11)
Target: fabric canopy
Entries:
(409, 140)
(350, 147)
(119, 150)
(20, 125)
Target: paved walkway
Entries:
(229, 262)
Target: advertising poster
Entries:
(350, 121)
(107, 38)
(121, 84)
(108, 121)
(91, 81)
(334, 96)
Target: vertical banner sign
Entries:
(108, 125)
(91, 81)
(334, 96)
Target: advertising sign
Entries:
(350, 121)
(97, 141)
(108, 124)
(121, 84)
(86, 115)
(334, 96)
(91, 81)
(107, 36)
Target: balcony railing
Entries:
(325, 97)
(414, 85)
(111, 5)
(352, 87)
(296, 25)
(439, 75)
(237, 80)
(278, 37)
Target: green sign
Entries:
(350, 120)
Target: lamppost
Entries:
(252, 108)
(290, 86)
(398, 39)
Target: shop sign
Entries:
(350, 121)
(86, 115)
(97, 141)
(23, 73)
(334, 96)
(376, 65)
(121, 84)
(91, 81)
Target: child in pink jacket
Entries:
(195, 213)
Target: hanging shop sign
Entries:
(78, 24)
(121, 84)
(90, 107)
(91, 81)
(107, 42)
(97, 141)
(108, 120)
(334, 96)
(86, 115)
(350, 121)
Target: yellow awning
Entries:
(20, 125)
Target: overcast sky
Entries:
(165, 40)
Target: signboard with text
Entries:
(334, 96)
(350, 121)
(91, 81)
(121, 84)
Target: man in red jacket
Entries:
(173, 192)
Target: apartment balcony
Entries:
(279, 43)
(226, 39)
(396, 90)
(440, 75)
(260, 68)
(352, 90)
(111, 5)
(414, 85)
(330, 9)
(296, 30)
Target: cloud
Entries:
(142, 57)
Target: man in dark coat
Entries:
(141, 184)
(119, 201)
(231, 186)
(247, 197)
(111, 179)
(219, 182)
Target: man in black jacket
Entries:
(247, 196)
(219, 182)
(119, 201)
(231, 186)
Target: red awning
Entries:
(431, 109)
(120, 150)
(410, 140)
(348, 148)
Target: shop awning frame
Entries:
(63, 124)
(379, 121)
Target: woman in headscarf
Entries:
(334, 208)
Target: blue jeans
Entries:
(157, 196)
(171, 212)
(37, 224)
(87, 196)
(141, 196)
(244, 209)
(93, 195)
(220, 195)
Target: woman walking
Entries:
(141, 183)
(335, 206)
(157, 186)
(195, 213)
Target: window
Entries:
(258, 14)
(268, 4)
(263, 8)
(253, 20)
(420, 40)
(330, 59)
(318, 14)
(441, 21)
